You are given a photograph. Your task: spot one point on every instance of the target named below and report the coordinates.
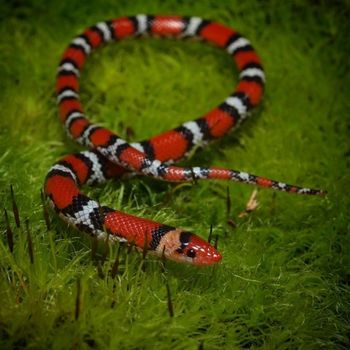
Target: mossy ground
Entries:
(284, 279)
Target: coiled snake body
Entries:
(110, 156)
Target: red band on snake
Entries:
(110, 156)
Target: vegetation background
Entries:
(284, 279)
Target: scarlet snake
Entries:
(110, 156)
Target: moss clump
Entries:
(284, 279)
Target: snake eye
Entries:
(191, 253)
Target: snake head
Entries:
(186, 247)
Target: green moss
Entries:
(284, 279)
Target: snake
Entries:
(110, 156)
